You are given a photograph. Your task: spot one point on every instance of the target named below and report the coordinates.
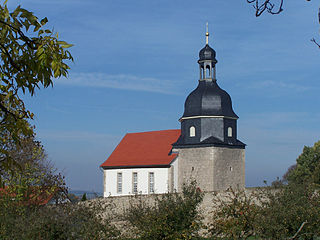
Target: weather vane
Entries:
(207, 34)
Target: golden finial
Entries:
(207, 34)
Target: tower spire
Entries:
(207, 34)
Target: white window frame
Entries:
(151, 182)
(192, 131)
(135, 182)
(119, 182)
(229, 131)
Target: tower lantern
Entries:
(207, 61)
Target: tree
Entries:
(307, 168)
(31, 56)
(273, 7)
(21, 202)
(289, 209)
(36, 177)
(288, 212)
(89, 220)
(84, 197)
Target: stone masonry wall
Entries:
(214, 168)
(229, 168)
(119, 204)
(196, 164)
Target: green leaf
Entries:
(31, 62)
(66, 45)
(44, 21)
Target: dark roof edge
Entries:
(209, 145)
(136, 166)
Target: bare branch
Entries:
(266, 5)
(299, 230)
(315, 42)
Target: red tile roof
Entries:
(143, 149)
(36, 195)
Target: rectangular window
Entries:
(119, 182)
(151, 182)
(135, 182)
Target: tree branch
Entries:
(5, 51)
(266, 6)
(27, 40)
(300, 228)
(315, 42)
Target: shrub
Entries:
(62, 221)
(289, 208)
(235, 215)
(172, 216)
(287, 212)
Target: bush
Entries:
(287, 209)
(286, 212)
(172, 216)
(63, 221)
(235, 215)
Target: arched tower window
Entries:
(208, 73)
(192, 131)
(201, 72)
(229, 131)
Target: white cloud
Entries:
(120, 81)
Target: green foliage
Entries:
(172, 216)
(268, 213)
(60, 222)
(307, 168)
(289, 209)
(235, 216)
(84, 197)
(285, 209)
(30, 57)
(23, 215)
(35, 178)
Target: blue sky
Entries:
(136, 62)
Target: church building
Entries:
(205, 149)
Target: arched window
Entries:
(192, 131)
(229, 131)
(208, 74)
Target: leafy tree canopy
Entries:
(36, 177)
(30, 57)
(307, 168)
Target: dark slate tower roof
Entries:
(208, 99)
(207, 53)
(208, 118)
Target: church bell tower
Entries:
(208, 148)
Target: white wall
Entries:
(175, 165)
(160, 181)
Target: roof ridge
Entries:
(154, 131)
